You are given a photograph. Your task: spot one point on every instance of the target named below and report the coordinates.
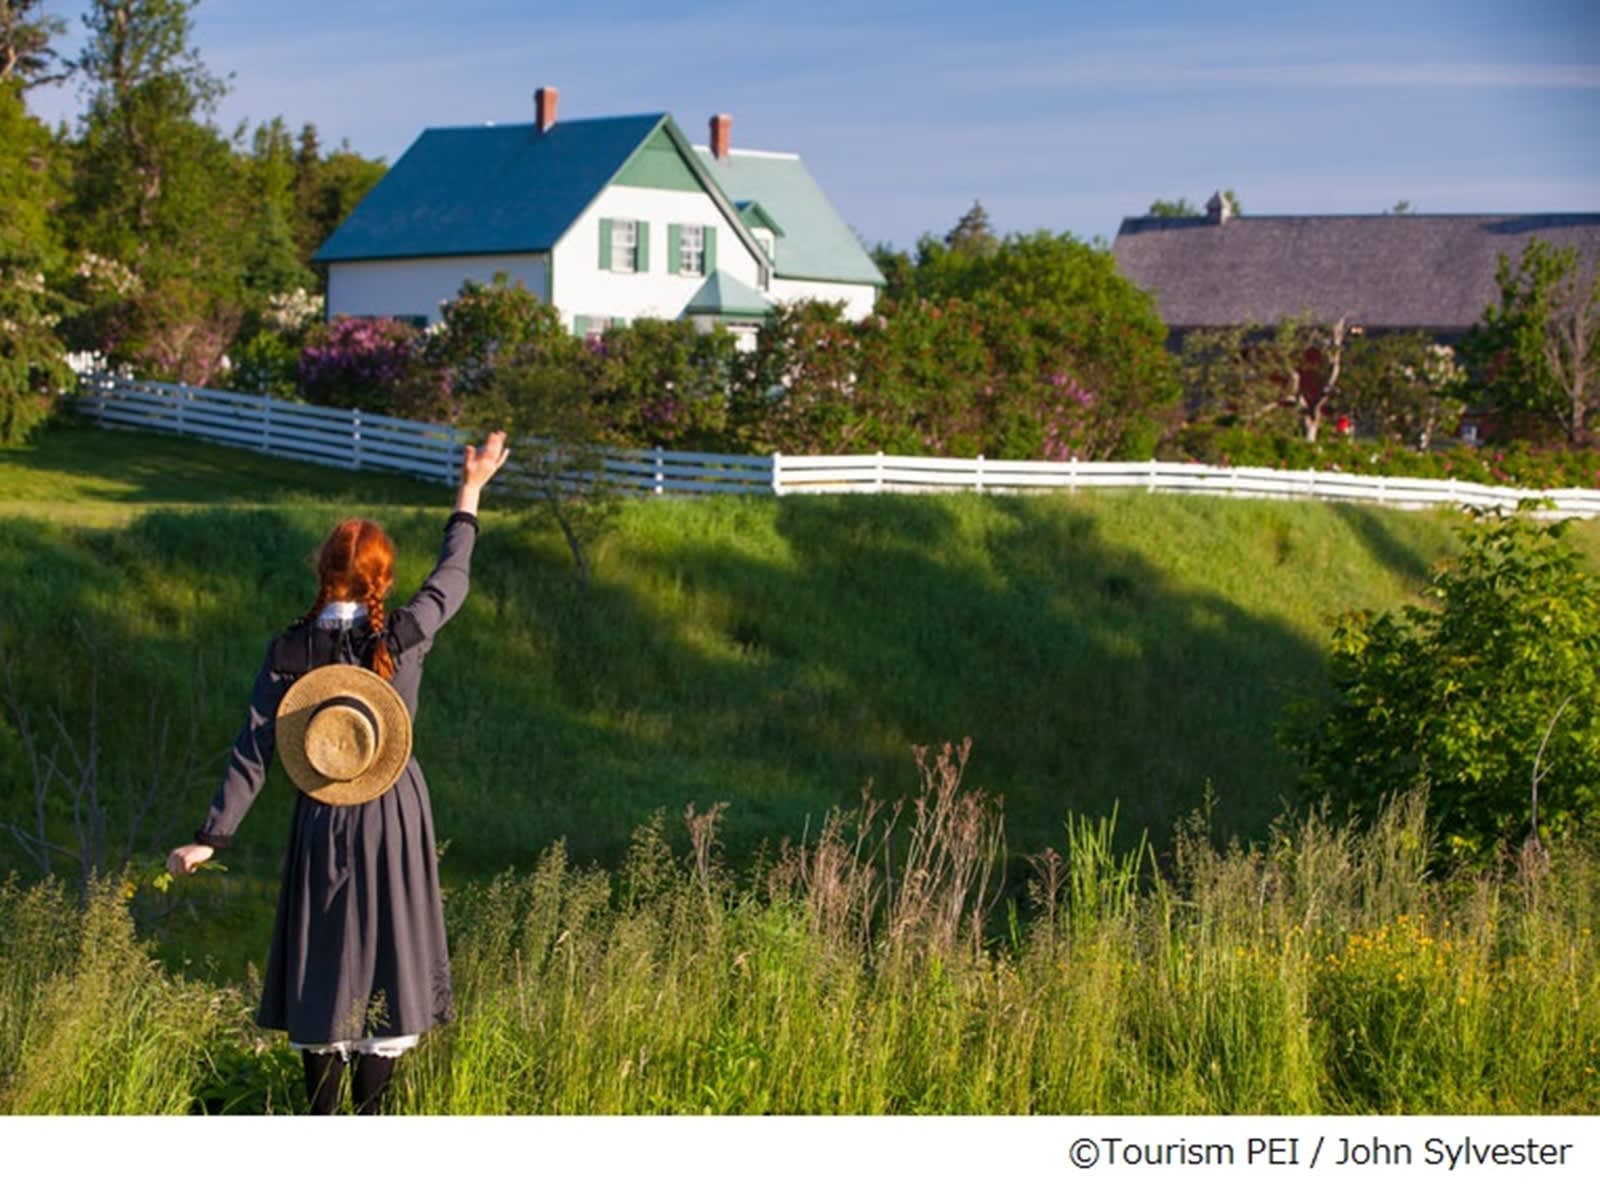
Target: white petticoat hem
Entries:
(383, 1047)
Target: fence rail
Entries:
(356, 440)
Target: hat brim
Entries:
(301, 702)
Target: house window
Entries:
(624, 245)
(593, 326)
(768, 243)
(692, 250)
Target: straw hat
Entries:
(344, 734)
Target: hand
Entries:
(185, 859)
(478, 466)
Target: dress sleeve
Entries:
(246, 771)
(445, 589)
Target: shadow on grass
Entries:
(777, 668)
(1368, 524)
(85, 464)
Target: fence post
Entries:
(355, 438)
(777, 473)
(183, 405)
(657, 461)
(1151, 487)
(978, 479)
(452, 460)
(1072, 476)
(266, 427)
(877, 471)
(1311, 481)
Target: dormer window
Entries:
(768, 243)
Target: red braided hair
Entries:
(357, 563)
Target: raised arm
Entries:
(478, 466)
(445, 590)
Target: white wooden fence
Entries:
(355, 440)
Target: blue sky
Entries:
(1066, 116)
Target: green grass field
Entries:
(1113, 652)
(777, 656)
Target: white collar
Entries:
(341, 612)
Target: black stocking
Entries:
(323, 1075)
(371, 1080)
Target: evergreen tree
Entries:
(158, 188)
(32, 368)
(272, 261)
(972, 234)
(26, 57)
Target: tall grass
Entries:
(1323, 971)
(89, 1023)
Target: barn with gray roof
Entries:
(1392, 272)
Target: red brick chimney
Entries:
(544, 107)
(721, 135)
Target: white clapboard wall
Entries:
(356, 440)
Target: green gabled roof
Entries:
(488, 189)
(756, 217)
(817, 244)
(724, 296)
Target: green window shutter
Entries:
(674, 249)
(605, 243)
(580, 326)
(711, 249)
(644, 246)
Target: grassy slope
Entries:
(1097, 649)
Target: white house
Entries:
(609, 219)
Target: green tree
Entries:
(795, 392)
(1082, 319)
(272, 259)
(26, 57)
(1181, 207)
(899, 273)
(157, 188)
(1402, 387)
(147, 87)
(1489, 694)
(1173, 208)
(484, 327)
(327, 188)
(973, 235)
(1537, 351)
(928, 378)
(1288, 375)
(541, 396)
(32, 367)
(664, 383)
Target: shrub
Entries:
(359, 362)
(663, 383)
(1491, 695)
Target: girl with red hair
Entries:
(358, 968)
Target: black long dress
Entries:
(358, 945)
